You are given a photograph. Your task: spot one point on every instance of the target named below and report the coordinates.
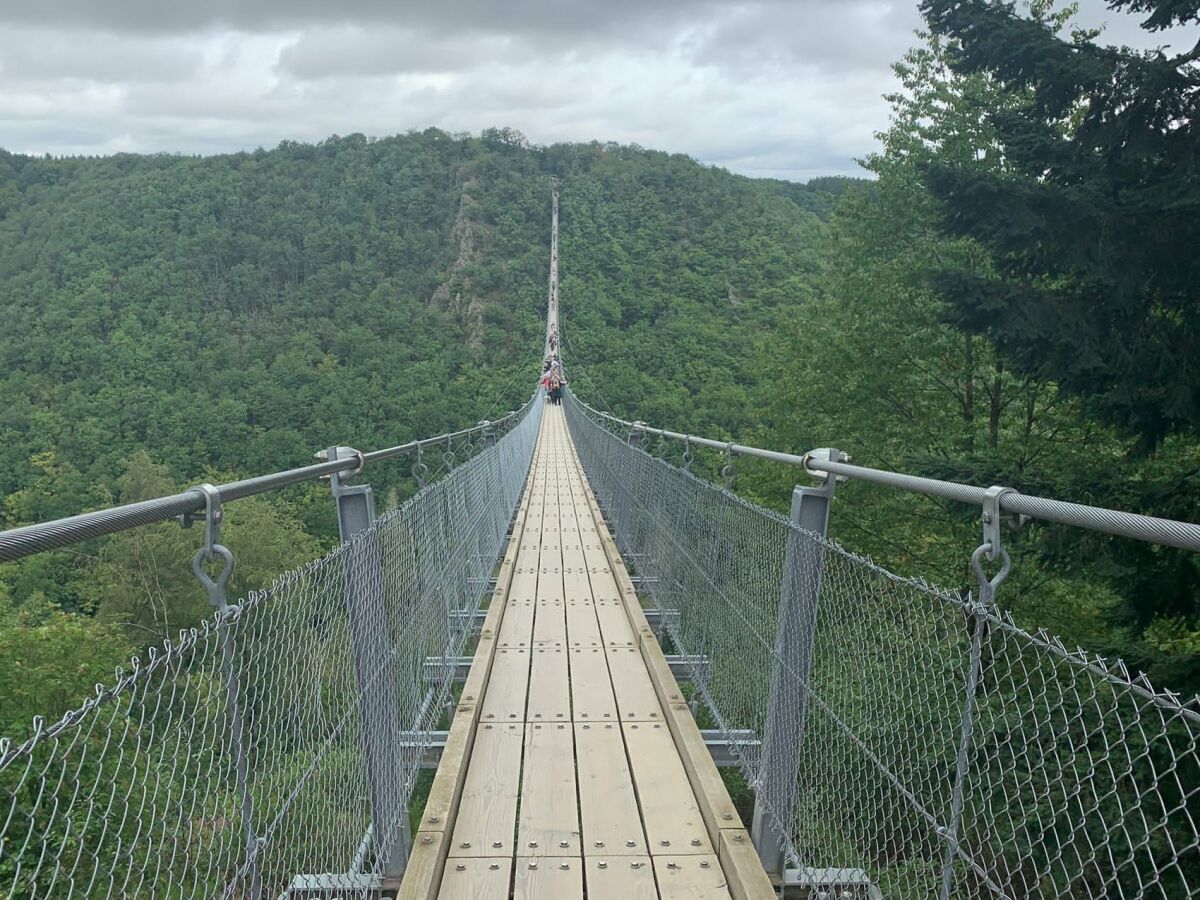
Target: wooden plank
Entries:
(549, 817)
(591, 688)
(690, 878)
(516, 628)
(549, 685)
(614, 621)
(742, 866)
(550, 624)
(583, 629)
(424, 868)
(636, 699)
(479, 879)
(548, 879)
(505, 693)
(487, 811)
(608, 806)
(672, 818)
(620, 878)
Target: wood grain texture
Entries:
(608, 806)
(477, 879)
(548, 879)
(690, 878)
(620, 878)
(487, 810)
(669, 810)
(549, 812)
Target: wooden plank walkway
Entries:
(573, 767)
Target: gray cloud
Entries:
(784, 88)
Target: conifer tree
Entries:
(1093, 217)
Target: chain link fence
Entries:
(944, 751)
(232, 761)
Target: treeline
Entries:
(171, 320)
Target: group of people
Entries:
(552, 379)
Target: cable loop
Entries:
(729, 471)
(987, 586)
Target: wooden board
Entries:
(636, 699)
(549, 685)
(620, 878)
(504, 696)
(690, 878)
(607, 801)
(548, 879)
(550, 624)
(614, 621)
(479, 879)
(424, 866)
(549, 817)
(671, 815)
(487, 811)
(516, 628)
(591, 689)
(583, 630)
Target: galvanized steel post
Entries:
(369, 634)
(795, 634)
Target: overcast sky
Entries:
(780, 88)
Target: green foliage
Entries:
(1091, 218)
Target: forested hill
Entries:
(239, 312)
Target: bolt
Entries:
(704, 863)
(695, 842)
(635, 865)
(533, 843)
(631, 843)
(461, 867)
(466, 844)
(564, 843)
(494, 866)
(435, 818)
(497, 843)
(672, 865)
(665, 843)
(533, 865)
(599, 844)
(564, 865)
(602, 865)
(427, 840)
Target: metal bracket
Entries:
(991, 520)
(825, 454)
(729, 471)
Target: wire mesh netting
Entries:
(937, 748)
(278, 744)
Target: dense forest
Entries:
(170, 320)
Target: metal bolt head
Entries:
(631, 843)
(427, 840)
(665, 843)
(598, 844)
(435, 818)
(564, 843)
(695, 842)
(564, 865)
(704, 863)
(466, 844)
(461, 867)
(494, 866)
(533, 864)
(635, 865)
(602, 865)
(672, 865)
(497, 843)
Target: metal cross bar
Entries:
(722, 745)
(456, 668)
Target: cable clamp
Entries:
(990, 517)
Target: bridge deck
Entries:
(573, 767)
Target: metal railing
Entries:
(915, 742)
(273, 747)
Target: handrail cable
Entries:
(27, 540)
(1155, 530)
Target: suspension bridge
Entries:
(584, 645)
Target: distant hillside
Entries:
(241, 311)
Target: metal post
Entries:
(212, 551)
(636, 435)
(369, 637)
(992, 550)
(796, 625)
